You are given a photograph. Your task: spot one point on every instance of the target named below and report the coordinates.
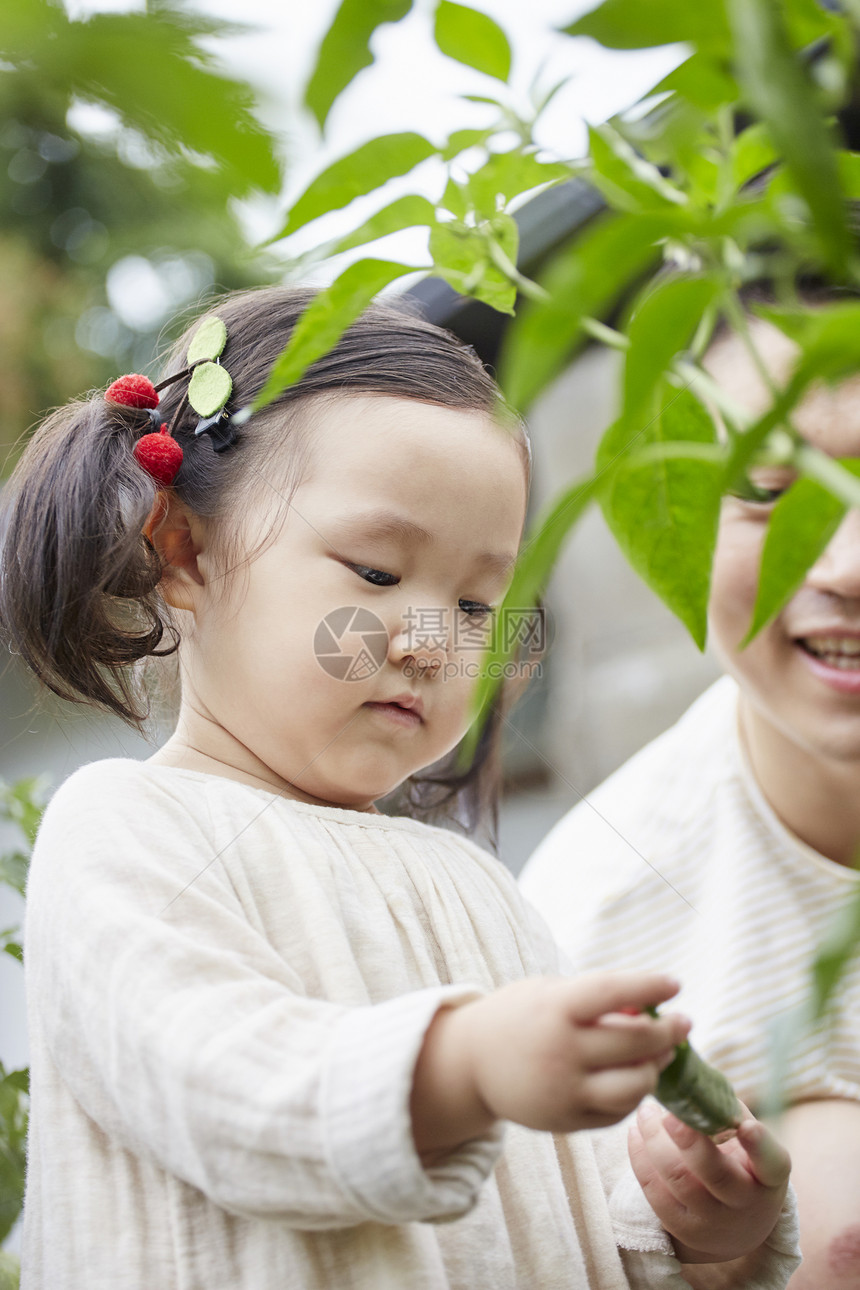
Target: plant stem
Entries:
(739, 321)
(827, 472)
(607, 335)
(736, 417)
(675, 449)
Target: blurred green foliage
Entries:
(22, 805)
(122, 148)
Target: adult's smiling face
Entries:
(800, 676)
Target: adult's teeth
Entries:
(848, 645)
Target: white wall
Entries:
(623, 667)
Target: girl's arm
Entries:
(160, 1010)
(550, 1053)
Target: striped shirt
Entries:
(678, 863)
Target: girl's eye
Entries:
(381, 579)
(376, 576)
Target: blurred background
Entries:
(108, 240)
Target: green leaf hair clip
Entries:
(211, 384)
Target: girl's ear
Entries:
(176, 535)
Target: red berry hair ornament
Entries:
(158, 452)
(133, 391)
(160, 456)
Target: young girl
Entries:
(275, 1033)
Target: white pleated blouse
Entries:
(227, 992)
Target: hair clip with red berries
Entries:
(209, 388)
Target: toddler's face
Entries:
(801, 674)
(344, 611)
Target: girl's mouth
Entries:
(393, 712)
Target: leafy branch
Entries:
(22, 805)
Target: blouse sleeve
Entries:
(185, 1036)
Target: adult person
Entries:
(722, 850)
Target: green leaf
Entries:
(460, 140)
(627, 181)
(11, 946)
(462, 257)
(19, 1079)
(702, 81)
(641, 24)
(10, 1271)
(664, 513)
(777, 89)
(827, 337)
(809, 20)
(326, 319)
(369, 167)
(663, 323)
(506, 175)
(13, 1132)
(455, 199)
(23, 803)
(13, 870)
(472, 38)
(406, 212)
(345, 49)
(485, 98)
(537, 558)
(801, 525)
(848, 164)
(751, 153)
(836, 951)
(583, 279)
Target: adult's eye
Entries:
(475, 607)
(376, 576)
(758, 494)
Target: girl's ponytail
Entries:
(78, 578)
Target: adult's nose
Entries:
(837, 570)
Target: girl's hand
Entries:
(552, 1053)
(717, 1202)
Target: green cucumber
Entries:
(698, 1094)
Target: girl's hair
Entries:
(79, 598)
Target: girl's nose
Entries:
(838, 568)
(423, 638)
